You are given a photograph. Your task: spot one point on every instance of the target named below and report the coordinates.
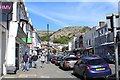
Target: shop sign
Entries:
(29, 40)
(6, 10)
(6, 7)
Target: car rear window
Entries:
(59, 58)
(96, 62)
(71, 58)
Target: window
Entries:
(89, 42)
(105, 29)
(71, 59)
(102, 31)
(96, 62)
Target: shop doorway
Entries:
(3, 49)
(17, 57)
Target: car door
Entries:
(77, 68)
(62, 62)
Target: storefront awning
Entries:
(20, 33)
(105, 44)
(89, 48)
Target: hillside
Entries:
(43, 33)
(69, 32)
(65, 33)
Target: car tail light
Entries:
(53, 58)
(89, 67)
(78, 57)
(108, 66)
(67, 62)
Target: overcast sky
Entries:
(62, 14)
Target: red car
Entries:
(53, 59)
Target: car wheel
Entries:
(60, 66)
(74, 73)
(64, 66)
(106, 78)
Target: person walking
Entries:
(42, 59)
(30, 61)
(25, 61)
(34, 59)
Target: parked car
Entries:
(109, 59)
(59, 59)
(53, 59)
(78, 56)
(91, 67)
(68, 62)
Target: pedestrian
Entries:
(48, 57)
(34, 59)
(30, 61)
(25, 61)
(42, 59)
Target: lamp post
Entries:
(112, 26)
(48, 43)
(48, 36)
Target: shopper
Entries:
(34, 59)
(30, 61)
(25, 61)
(42, 59)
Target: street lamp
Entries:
(112, 26)
(48, 36)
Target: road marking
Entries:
(45, 76)
(23, 76)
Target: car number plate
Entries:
(100, 69)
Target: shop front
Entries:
(16, 47)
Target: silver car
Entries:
(68, 62)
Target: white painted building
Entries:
(17, 38)
(36, 43)
(71, 43)
(4, 12)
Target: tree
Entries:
(64, 48)
(62, 40)
(44, 38)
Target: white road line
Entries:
(45, 76)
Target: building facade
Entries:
(89, 41)
(36, 43)
(19, 29)
(5, 15)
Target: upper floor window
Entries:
(89, 42)
(102, 31)
(105, 29)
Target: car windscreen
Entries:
(59, 58)
(71, 58)
(96, 62)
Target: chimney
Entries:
(101, 23)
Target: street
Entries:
(48, 71)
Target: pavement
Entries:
(48, 71)
(112, 77)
